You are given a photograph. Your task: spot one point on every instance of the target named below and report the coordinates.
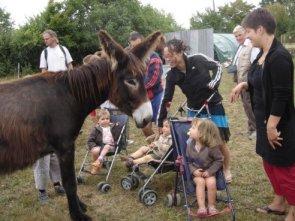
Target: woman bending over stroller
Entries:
(154, 151)
(102, 139)
(204, 159)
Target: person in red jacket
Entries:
(152, 82)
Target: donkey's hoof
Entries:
(80, 217)
(83, 206)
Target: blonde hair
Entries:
(238, 29)
(102, 113)
(209, 134)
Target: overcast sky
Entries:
(181, 10)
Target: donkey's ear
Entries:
(143, 49)
(112, 49)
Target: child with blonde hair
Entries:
(205, 159)
(102, 139)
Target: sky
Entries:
(181, 10)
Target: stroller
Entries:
(147, 195)
(183, 178)
(103, 186)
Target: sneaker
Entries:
(96, 166)
(59, 190)
(43, 198)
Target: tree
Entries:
(5, 42)
(280, 13)
(77, 22)
(224, 19)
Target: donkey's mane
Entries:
(87, 80)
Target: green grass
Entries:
(250, 187)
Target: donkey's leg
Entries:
(66, 159)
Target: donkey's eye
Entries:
(131, 82)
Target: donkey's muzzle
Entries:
(143, 114)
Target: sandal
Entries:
(202, 212)
(267, 210)
(212, 211)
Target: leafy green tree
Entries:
(224, 19)
(6, 28)
(78, 21)
(280, 13)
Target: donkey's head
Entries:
(127, 91)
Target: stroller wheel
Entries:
(168, 201)
(149, 197)
(105, 188)
(127, 183)
(140, 192)
(80, 180)
(99, 185)
(135, 181)
(178, 199)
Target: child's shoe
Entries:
(212, 211)
(96, 166)
(202, 213)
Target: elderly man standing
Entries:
(243, 59)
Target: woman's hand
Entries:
(198, 173)
(273, 136)
(236, 91)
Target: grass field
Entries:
(249, 189)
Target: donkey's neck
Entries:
(90, 84)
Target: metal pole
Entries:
(18, 69)
(213, 5)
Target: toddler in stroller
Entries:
(102, 139)
(204, 159)
(152, 152)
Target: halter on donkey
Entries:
(44, 113)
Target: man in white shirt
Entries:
(55, 57)
(243, 59)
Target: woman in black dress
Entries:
(271, 86)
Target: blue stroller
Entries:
(183, 180)
(103, 186)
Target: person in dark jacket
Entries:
(271, 86)
(192, 75)
(102, 139)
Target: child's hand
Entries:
(205, 174)
(198, 173)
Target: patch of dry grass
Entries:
(249, 189)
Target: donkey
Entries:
(44, 113)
